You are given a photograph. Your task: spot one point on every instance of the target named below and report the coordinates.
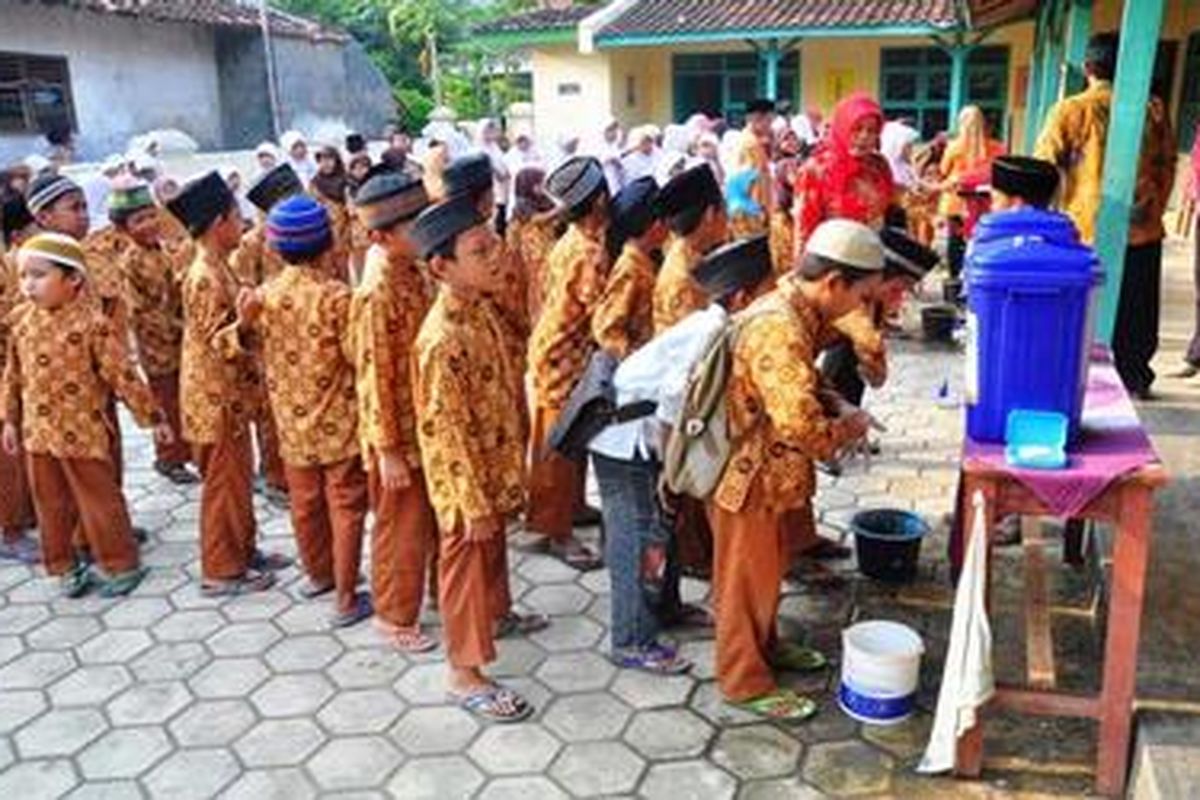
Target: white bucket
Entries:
(881, 663)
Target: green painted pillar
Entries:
(958, 80)
(1052, 66)
(1033, 89)
(1141, 23)
(768, 69)
(1079, 29)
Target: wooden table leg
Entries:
(968, 759)
(1130, 555)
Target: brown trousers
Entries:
(556, 484)
(693, 537)
(166, 391)
(800, 530)
(329, 505)
(16, 503)
(270, 465)
(403, 542)
(751, 556)
(81, 494)
(472, 596)
(227, 526)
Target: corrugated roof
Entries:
(217, 13)
(542, 19)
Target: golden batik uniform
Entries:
(385, 316)
(63, 367)
(558, 355)
(530, 241)
(339, 224)
(219, 395)
(623, 320)
(471, 432)
(16, 503)
(676, 293)
(310, 383)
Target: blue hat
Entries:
(298, 228)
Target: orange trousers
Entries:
(16, 503)
(81, 494)
(269, 462)
(329, 506)
(750, 558)
(166, 391)
(800, 530)
(472, 596)
(227, 526)
(556, 484)
(403, 542)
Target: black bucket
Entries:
(952, 291)
(887, 543)
(938, 322)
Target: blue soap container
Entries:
(1036, 439)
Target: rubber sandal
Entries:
(576, 554)
(513, 624)
(248, 583)
(586, 517)
(792, 657)
(21, 548)
(494, 704)
(690, 615)
(123, 583)
(656, 659)
(270, 562)
(177, 474)
(361, 610)
(782, 704)
(76, 582)
(310, 590)
(412, 640)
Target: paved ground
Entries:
(169, 695)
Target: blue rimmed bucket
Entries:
(881, 666)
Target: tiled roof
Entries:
(665, 17)
(217, 13)
(542, 19)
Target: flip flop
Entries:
(782, 704)
(494, 704)
(248, 583)
(586, 517)
(413, 640)
(177, 474)
(512, 624)
(362, 610)
(270, 562)
(656, 659)
(792, 657)
(21, 548)
(576, 554)
(123, 583)
(310, 589)
(76, 582)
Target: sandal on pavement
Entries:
(656, 659)
(586, 517)
(177, 474)
(270, 562)
(412, 640)
(781, 704)
(22, 548)
(250, 582)
(493, 703)
(76, 581)
(123, 583)
(310, 589)
(575, 553)
(690, 615)
(512, 624)
(792, 657)
(355, 614)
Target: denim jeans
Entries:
(639, 551)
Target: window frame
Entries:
(726, 68)
(927, 65)
(25, 86)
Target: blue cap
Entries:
(298, 228)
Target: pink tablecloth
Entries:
(1113, 443)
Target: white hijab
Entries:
(893, 139)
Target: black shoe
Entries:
(177, 474)
(586, 517)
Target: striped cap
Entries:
(47, 188)
(59, 248)
(389, 198)
(128, 195)
(298, 228)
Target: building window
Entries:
(35, 94)
(914, 82)
(720, 84)
(1189, 100)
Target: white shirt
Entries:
(638, 165)
(659, 372)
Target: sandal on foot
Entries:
(586, 517)
(494, 703)
(140, 534)
(76, 581)
(512, 624)
(357, 613)
(177, 474)
(252, 581)
(657, 659)
(575, 553)
(781, 704)
(411, 639)
(792, 657)
(270, 562)
(123, 583)
(21, 548)
(310, 589)
(690, 615)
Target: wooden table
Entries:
(1128, 504)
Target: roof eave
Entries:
(516, 40)
(755, 34)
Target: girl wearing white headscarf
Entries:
(295, 150)
(488, 140)
(643, 155)
(896, 142)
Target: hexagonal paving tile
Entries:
(668, 733)
(586, 717)
(258, 606)
(212, 723)
(10, 648)
(355, 763)
(431, 731)
(303, 653)
(688, 780)
(173, 661)
(136, 612)
(848, 768)
(279, 743)
(784, 789)
(516, 657)
(305, 617)
(598, 768)
(291, 695)
(188, 626)
(904, 740)
(424, 684)
(18, 707)
(244, 639)
(7, 756)
(361, 669)
(531, 787)
(35, 670)
(757, 751)
(192, 774)
(38, 779)
(643, 690)
(540, 569)
(441, 778)
(289, 783)
(576, 672)
(59, 732)
(558, 599)
(569, 633)
(90, 685)
(22, 618)
(113, 647)
(107, 790)
(123, 753)
(149, 703)
(63, 633)
(513, 750)
(361, 711)
(229, 677)
(706, 701)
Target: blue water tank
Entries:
(1030, 285)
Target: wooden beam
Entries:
(1141, 24)
(1039, 637)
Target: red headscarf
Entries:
(847, 114)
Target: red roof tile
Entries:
(217, 13)
(542, 19)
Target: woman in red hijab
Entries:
(846, 176)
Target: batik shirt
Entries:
(530, 242)
(623, 320)
(864, 199)
(153, 292)
(676, 293)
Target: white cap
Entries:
(847, 242)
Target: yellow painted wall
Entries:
(641, 84)
(555, 112)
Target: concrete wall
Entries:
(126, 76)
(560, 68)
(245, 107)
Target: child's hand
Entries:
(249, 306)
(393, 472)
(163, 434)
(11, 439)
